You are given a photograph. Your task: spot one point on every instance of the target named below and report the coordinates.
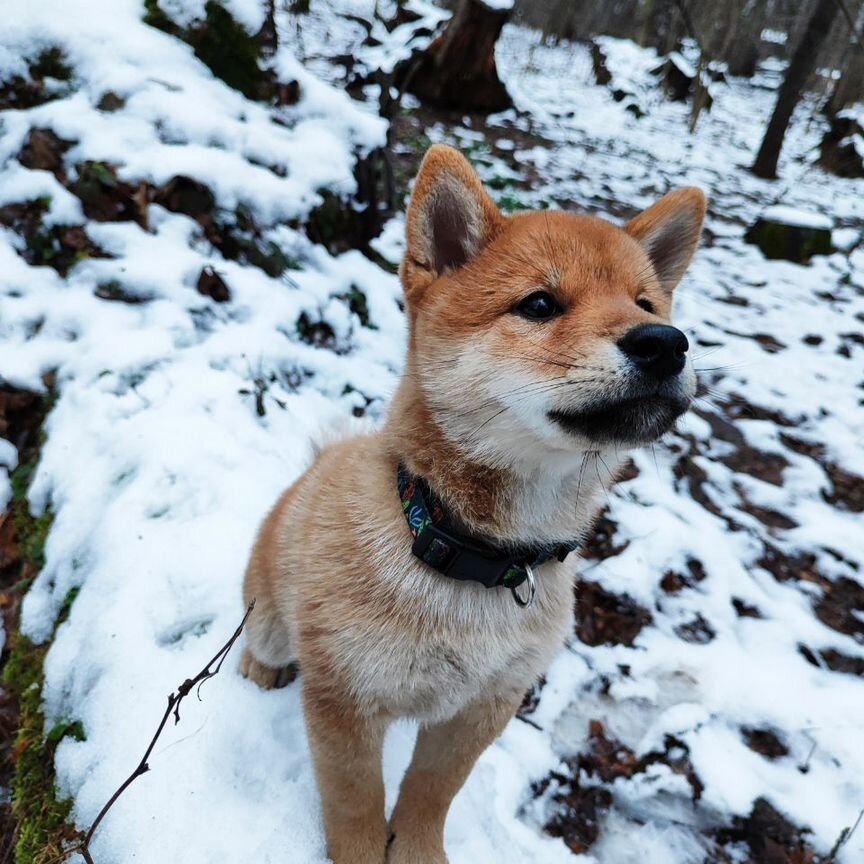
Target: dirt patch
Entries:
(744, 609)
(602, 544)
(737, 408)
(674, 582)
(44, 150)
(831, 658)
(531, 700)
(580, 797)
(44, 74)
(847, 489)
(789, 566)
(744, 459)
(604, 618)
(697, 632)
(57, 246)
(766, 341)
(579, 802)
(768, 838)
(696, 478)
(106, 198)
(212, 285)
(768, 517)
(841, 607)
(766, 742)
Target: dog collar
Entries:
(440, 544)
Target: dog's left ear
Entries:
(451, 219)
(669, 233)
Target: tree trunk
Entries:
(799, 70)
(458, 69)
(850, 88)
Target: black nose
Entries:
(656, 349)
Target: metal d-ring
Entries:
(532, 589)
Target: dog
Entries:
(427, 570)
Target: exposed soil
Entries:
(604, 618)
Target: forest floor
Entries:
(173, 342)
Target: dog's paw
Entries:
(266, 677)
(406, 852)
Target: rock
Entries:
(790, 234)
(842, 148)
(212, 285)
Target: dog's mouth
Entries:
(635, 420)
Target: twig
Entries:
(174, 700)
(844, 838)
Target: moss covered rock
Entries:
(791, 235)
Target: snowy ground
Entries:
(723, 649)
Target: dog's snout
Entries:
(656, 349)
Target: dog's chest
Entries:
(466, 641)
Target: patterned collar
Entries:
(443, 546)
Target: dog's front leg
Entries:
(443, 758)
(347, 749)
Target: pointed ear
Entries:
(669, 232)
(451, 219)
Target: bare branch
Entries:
(174, 700)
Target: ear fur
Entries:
(451, 219)
(669, 232)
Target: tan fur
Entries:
(376, 633)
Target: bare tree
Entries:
(458, 69)
(850, 87)
(792, 87)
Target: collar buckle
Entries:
(465, 561)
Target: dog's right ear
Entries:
(451, 219)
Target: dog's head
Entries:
(546, 331)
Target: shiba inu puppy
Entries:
(424, 570)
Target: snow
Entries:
(776, 37)
(683, 65)
(8, 463)
(799, 218)
(845, 239)
(159, 468)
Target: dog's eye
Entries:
(645, 304)
(539, 306)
